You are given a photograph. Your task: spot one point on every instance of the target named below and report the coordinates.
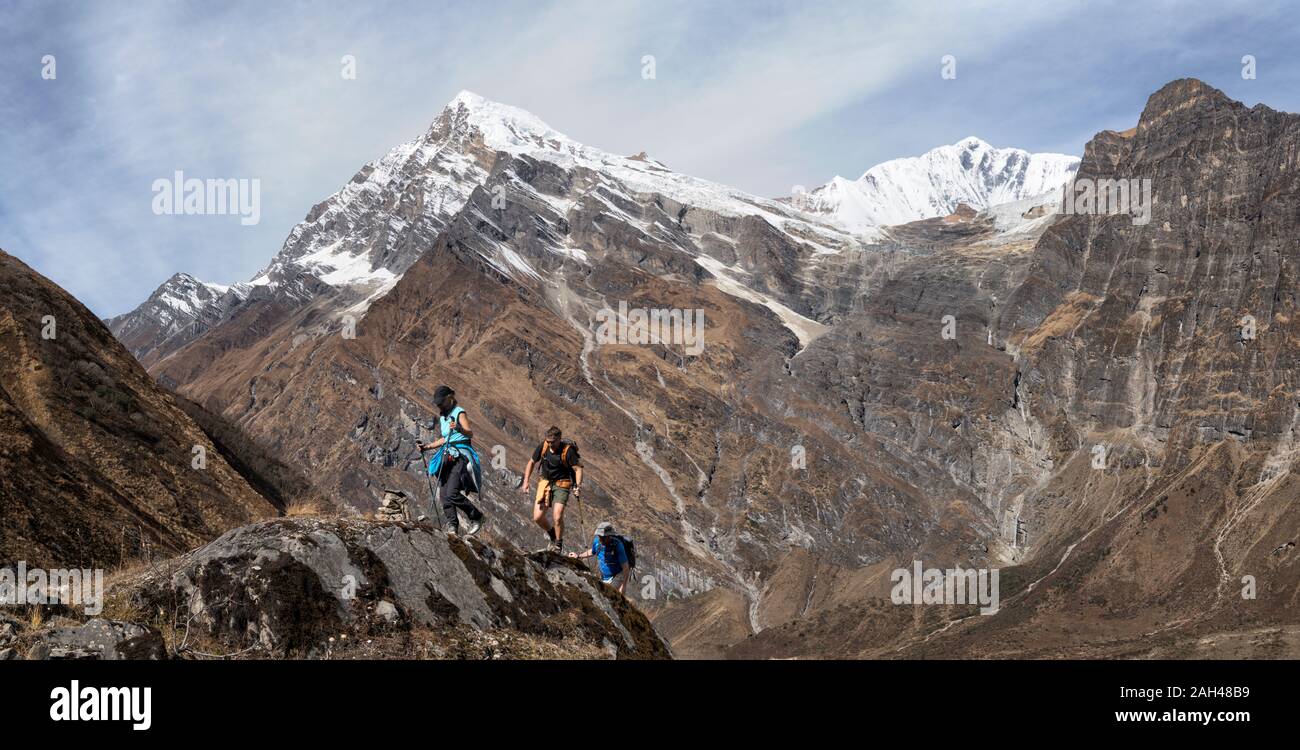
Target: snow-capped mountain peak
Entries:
(185, 295)
(355, 245)
(504, 127)
(182, 305)
(933, 184)
(519, 132)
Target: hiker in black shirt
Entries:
(560, 477)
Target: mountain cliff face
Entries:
(1172, 344)
(933, 390)
(1162, 520)
(97, 463)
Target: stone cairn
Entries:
(393, 507)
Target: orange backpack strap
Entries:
(564, 452)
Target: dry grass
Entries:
(309, 508)
(1061, 321)
(125, 571)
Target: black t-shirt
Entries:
(552, 467)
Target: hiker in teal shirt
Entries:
(456, 463)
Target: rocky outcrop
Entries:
(291, 587)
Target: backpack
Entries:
(564, 446)
(629, 548)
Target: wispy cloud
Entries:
(762, 95)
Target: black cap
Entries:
(441, 393)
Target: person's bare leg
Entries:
(541, 519)
(559, 521)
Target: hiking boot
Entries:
(453, 530)
(474, 527)
(554, 546)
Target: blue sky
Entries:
(759, 95)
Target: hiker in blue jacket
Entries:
(456, 464)
(609, 551)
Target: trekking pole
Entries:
(582, 519)
(433, 494)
